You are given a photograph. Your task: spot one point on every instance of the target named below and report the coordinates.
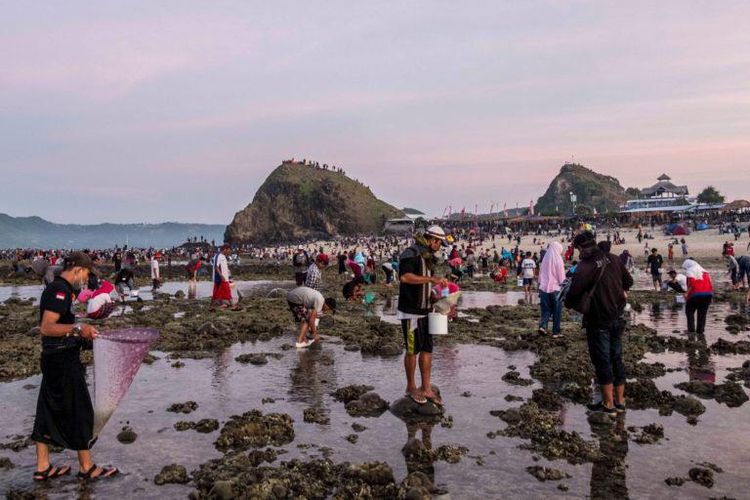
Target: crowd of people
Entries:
(563, 267)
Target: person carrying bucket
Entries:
(416, 267)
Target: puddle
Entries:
(203, 289)
(670, 320)
(642, 279)
(300, 379)
(469, 300)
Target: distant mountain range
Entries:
(35, 232)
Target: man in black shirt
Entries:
(415, 269)
(654, 263)
(125, 278)
(64, 413)
(341, 258)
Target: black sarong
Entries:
(64, 413)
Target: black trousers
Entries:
(605, 349)
(64, 413)
(700, 305)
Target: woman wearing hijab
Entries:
(551, 276)
(699, 295)
(627, 260)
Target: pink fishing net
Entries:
(118, 355)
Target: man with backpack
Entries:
(598, 291)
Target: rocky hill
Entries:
(300, 202)
(593, 191)
(35, 232)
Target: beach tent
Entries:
(701, 227)
(676, 230)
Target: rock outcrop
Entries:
(592, 190)
(302, 202)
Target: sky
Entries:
(178, 110)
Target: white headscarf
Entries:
(693, 269)
(552, 269)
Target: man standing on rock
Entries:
(416, 267)
(598, 292)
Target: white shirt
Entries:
(528, 266)
(96, 303)
(308, 297)
(154, 269)
(221, 265)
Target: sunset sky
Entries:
(178, 110)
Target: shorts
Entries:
(222, 291)
(299, 312)
(419, 340)
(528, 281)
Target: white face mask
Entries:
(81, 282)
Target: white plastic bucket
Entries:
(437, 324)
(520, 281)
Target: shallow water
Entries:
(643, 281)
(301, 379)
(468, 300)
(670, 320)
(203, 289)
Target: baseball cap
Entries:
(436, 232)
(79, 259)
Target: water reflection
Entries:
(700, 366)
(417, 450)
(313, 376)
(608, 472)
(220, 375)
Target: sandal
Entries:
(417, 398)
(43, 475)
(435, 400)
(106, 472)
